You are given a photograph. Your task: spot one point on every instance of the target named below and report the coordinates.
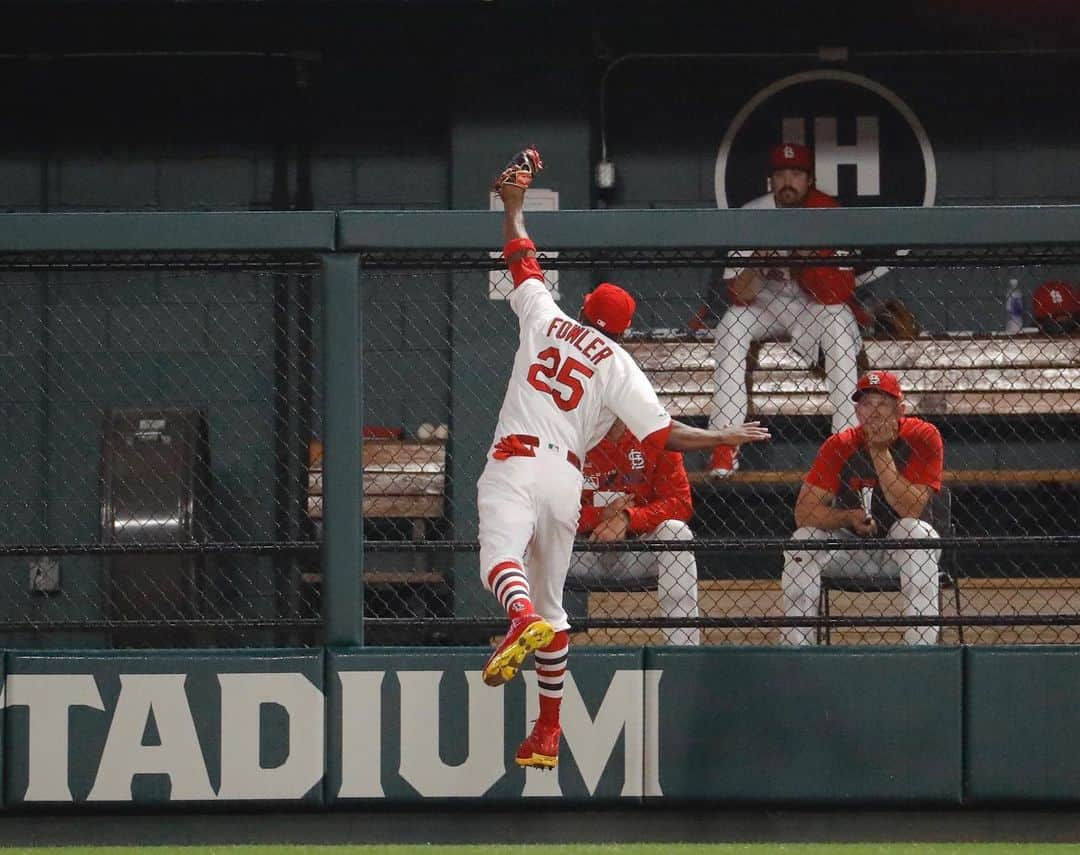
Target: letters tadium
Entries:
(227, 764)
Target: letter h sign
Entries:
(864, 155)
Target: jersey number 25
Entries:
(566, 389)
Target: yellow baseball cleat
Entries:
(526, 634)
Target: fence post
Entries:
(343, 457)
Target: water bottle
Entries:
(1014, 308)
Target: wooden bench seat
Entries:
(761, 598)
(403, 479)
(943, 375)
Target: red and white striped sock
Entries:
(550, 674)
(508, 583)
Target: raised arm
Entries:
(511, 186)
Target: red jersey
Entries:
(827, 285)
(843, 466)
(656, 478)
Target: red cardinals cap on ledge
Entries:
(1056, 307)
(609, 307)
(791, 156)
(879, 381)
(1055, 300)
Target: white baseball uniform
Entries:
(569, 384)
(782, 306)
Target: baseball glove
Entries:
(895, 320)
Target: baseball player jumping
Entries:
(569, 383)
(810, 303)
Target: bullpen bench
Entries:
(724, 598)
(1049, 594)
(404, 481)
(941, 375)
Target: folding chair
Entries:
(941, 520)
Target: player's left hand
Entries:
(613, 528)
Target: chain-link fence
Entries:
(166, 428)
(159, 410)
(977, 547)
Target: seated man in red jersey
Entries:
(636, 491)
(874, 480)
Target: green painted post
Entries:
(342, 455)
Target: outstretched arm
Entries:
(683, 437)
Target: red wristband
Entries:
(525, 267)
(517, 245)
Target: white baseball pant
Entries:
(916, 568)
(810, 325)
(528, 509)
(675, 574)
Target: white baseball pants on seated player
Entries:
(810, 325)
(916, 568)
(528, 509)
(675, 574)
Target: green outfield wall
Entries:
(313, 728)
(835, 725)
(1018, 710)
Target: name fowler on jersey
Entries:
(592, 346)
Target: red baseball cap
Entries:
(879, 381)
(1056, 300)
(610, 308)
(791, 156)
(1056, 307)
